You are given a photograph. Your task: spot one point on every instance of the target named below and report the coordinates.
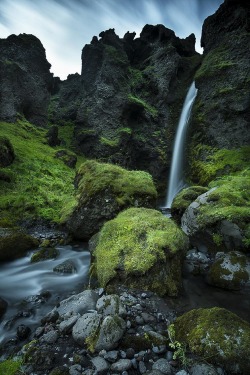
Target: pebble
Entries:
(75, 370)
(130, 353)
(101, 366)
(50, 337)
(162, 365)
(66, 325)
(142, 367)
(111, 356)
(121, 365)
(139, 320)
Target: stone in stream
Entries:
(65, 267)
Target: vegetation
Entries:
(95, 177)
(38, 184)
(135, 242)
(140, 102)
(10, 367)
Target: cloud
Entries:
(65, 26)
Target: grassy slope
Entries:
(40, 184)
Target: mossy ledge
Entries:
(141, 248)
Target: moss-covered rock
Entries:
(229, 271)
(142, 249)
(103, 190)
(184, 199)
(218, 336)
(10, 366)
(44, 254)
(15, 243)
(7, 154)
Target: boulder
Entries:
(44, 254)
(79, 303)
(67, 267)
(140, 249)
(103, 190)
(86, 328)
(7, 154)
(14, 243)
(110, 305)
(229, 271)
(217, 335)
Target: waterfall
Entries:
(176, 180)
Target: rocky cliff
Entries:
(127, 101)
(25, 79)
(221, 114)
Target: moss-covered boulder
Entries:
(7, 154)
(220, 218)
(103, 190)
(218, 336)
(229, 271)
(141, 249)
(44, 254)
(15, 243)
(184, 199)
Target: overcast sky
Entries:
(65, 26)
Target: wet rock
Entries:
(163, 365)
(50, 337)
(23, 332)
(86, 327)
(67, 267)
(3, 307)
(111, 331)
(75, 370)
(101, 366)
(203, 369)
(44, 254)
(229, 271)
(51, 317)
(110, 305)
(121, 365)
(111, 356)
(79, 303)
(66, 325)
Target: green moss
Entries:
(207, 163)
(44, 254)
(217, 335)
(109, 142)
(66, 134)
(41, 184)
(134, 242)
(14, 244)
(96, 177)
(10, 367)
(116, 55)
(140, 102)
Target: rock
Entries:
(15, 243)
(65, 267)
(86, 327)
(23, 332)
(163, 366)
(51, 317)
(44, 254)
(202, 369)
(229, 271)
(75, 370)
(152, 257)
(218, 335)
(121, 365)
(142, 367)
(66, 326)
(79, 303)
(103, 190)
(182, 372)
(25, 79)
(101, 366)
(111, 356)
(111, 331)
(110, 305)
(7, 154)
(52, 136)
(50, 337)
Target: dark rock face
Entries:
(127, 101)
(7, 154)
(221, 113)
(25, 79)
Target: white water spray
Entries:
(176, 180)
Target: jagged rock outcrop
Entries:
(221, 113)
(128, 98)
(25, 79)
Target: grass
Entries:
(134, 99)
(40, 184)
(10, 367)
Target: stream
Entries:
(33, 289)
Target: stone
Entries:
(79, 303)
(7, 154)
(162, 365)
(229, 271)
(50, 337)
(111, 356)
(86, 327)
(111, 331)
(66, 326)
(66, 267)
(23, 332)
(121, 365)
(202, 369)
(101, 366)
(142, 367)
(110, 305)
(3, 307)
(75, 370)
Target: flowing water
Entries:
(176, 180)
(23, 285)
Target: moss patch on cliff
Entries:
(38, 183)
(10, 367)
(95, 177)
(136, 242)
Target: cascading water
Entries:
(176, 180)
